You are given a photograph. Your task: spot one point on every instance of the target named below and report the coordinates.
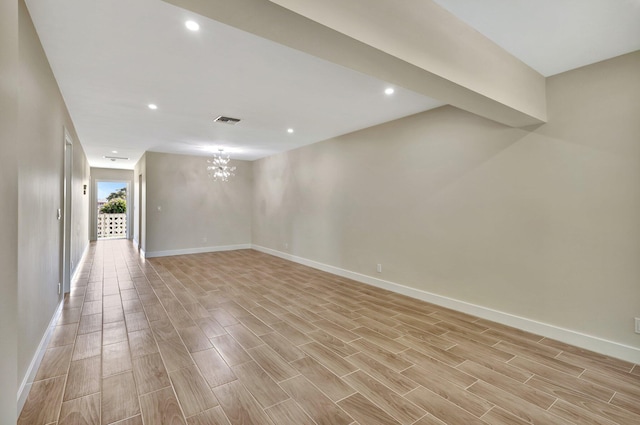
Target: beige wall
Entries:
(542, 224)
(41, 121)
(9, 216)
(194, 207)
(110, 174)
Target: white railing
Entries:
(112, 226)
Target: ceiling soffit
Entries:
(417, 45)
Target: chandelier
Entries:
(218, 168)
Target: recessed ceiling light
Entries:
(389, 91)
(153, 106)
(192, 25)
(290, 130)
(114, 151)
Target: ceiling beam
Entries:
(415, 44)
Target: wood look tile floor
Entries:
(240, 338)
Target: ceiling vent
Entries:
(227, 120)
(114, 158)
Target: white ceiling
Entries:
(112, 58)
(554, 36)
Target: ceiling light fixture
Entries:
(153, 106)
(389, 91)
(192, 25)
(218, 167)
(290, 130)
(114, 151)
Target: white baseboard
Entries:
(196, 250)
(25, 386)
(589, 342)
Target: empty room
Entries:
(338, 212)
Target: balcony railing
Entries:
(112, 226)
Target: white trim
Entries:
(25, 386)
(589, 342)
(136, 244)
(196, 250)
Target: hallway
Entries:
(242, 337)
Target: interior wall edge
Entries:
(589, 342)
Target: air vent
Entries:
(114, 158)
(227, 120)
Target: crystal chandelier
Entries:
(218, 168)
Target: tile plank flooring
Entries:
(242, 337)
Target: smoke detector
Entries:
(227, 120)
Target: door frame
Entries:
(67, 211)
(139, 212)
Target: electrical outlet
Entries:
(638, 325)
(379, 268)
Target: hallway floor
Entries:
(245, 338)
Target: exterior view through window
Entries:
(112, 210)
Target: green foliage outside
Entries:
(117, 203)
(114, 206)
(120, 193)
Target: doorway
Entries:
(111, 209)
